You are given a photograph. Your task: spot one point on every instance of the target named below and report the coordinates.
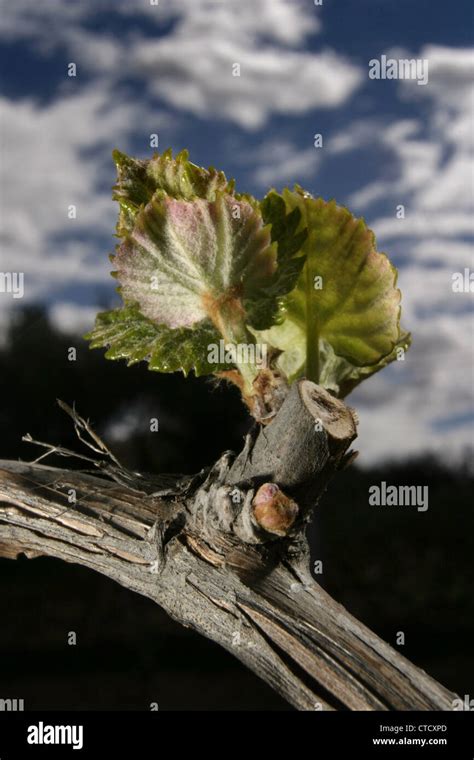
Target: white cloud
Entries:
(434, 155)
(420, 224)
(287, 23)
(407, 409)
(24, 19)
(190, 68)
(278, 20)
(72, 318)
(280, 162)
(358, 134)
(418, 405)
(429, 291)
(270, 81)
(402, 410)
(440, 250)
(450, 75)
(55, 156)
(417, 159)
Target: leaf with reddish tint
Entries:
(186, 261)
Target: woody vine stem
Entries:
(235, 570)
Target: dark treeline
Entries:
(398, 570)
(197, 418)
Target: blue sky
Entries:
(167, 69)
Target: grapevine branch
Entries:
(224, 552)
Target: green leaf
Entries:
(127, 334)
(138, 181)
(349, 327)
(284, 226)
(341, 377)
(267, 305)
(185, 261)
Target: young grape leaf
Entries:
(341, 377)
(267, 307)
(127, 334)
(337, 374)
(185, 261)
(137, 182)
(194, 253)
(284, 226)
(342, 319)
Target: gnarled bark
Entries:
(239, 575)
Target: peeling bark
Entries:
(205, 550)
